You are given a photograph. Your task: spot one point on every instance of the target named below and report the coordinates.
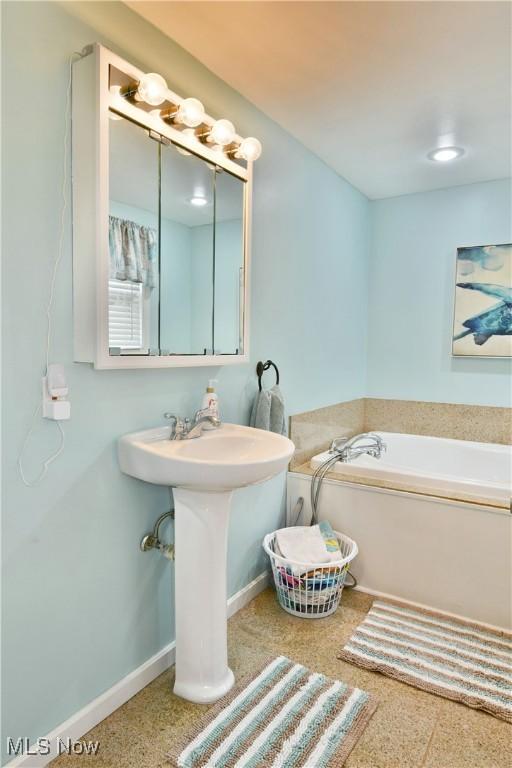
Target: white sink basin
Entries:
(222, 459)
(203, 472)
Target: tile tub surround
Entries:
(313, 431)
(480, 423)
(410, 728)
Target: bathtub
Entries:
(457, 469)
(431, 519)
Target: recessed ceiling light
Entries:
(198, 201)
(445, 154)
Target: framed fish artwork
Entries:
(482, 322)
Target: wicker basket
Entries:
(310, 590)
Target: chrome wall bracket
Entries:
(152, 540)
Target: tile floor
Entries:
(410, 729)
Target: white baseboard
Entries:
(387, 596)
(244, 596)
(103, 706)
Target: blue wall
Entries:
(412, 269)
(82, 606)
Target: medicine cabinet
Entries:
(161, 224)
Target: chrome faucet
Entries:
(197, 428)
(183, 429)
(367, 442)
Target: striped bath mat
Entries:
(283, 716)
(455, 659)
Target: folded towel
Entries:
(268, 411)
(305, 544)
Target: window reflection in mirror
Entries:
(186, 257)
(133, 239)
(229, 263)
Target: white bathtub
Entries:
(480, 472)
(440, 548)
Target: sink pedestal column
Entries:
(201, 536)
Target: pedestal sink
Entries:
(203, 472)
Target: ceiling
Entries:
(369, 87)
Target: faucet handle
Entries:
(200, 413)
(338, 444)
(175, 421)
(381, 445)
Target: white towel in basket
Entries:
(304, 544)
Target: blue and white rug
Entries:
(455, 659)
(284, 716)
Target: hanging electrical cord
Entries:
(49, 307)
(48, 461)
(316, 486)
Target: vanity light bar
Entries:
(152, 89)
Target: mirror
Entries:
(133, 296)
(187, 222)
(176, 247)
(229, 283)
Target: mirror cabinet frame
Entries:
(92, 100)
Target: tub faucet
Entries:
(367, 442)
(183, 429)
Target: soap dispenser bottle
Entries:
(210, 402)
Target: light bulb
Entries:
(190, 113)
(249, 149)
(222, 132)
(445, 154)
(152, 89)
